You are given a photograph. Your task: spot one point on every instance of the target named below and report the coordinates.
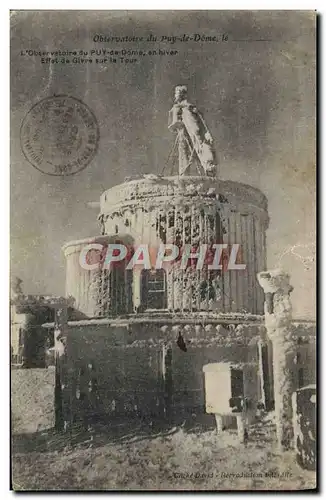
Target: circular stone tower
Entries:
(185, 210)
(164, 324)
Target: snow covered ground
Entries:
(139, 456)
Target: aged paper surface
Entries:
(162, 255)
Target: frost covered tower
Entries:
(163, 325)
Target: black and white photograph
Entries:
(163, 250)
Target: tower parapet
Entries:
(186, 211)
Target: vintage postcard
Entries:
(163, 327)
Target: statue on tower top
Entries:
(194, 137)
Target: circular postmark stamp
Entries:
(59, 135)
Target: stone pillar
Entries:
(278, 316)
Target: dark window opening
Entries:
(161, 228)
(187, 229)
(117, 290)
(153, 289)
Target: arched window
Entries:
(153, 289)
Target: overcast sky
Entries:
(257, 97)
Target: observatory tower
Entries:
(138, 318)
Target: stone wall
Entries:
(139, 369)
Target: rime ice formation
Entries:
(278, 316)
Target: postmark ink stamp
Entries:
(59, 135)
